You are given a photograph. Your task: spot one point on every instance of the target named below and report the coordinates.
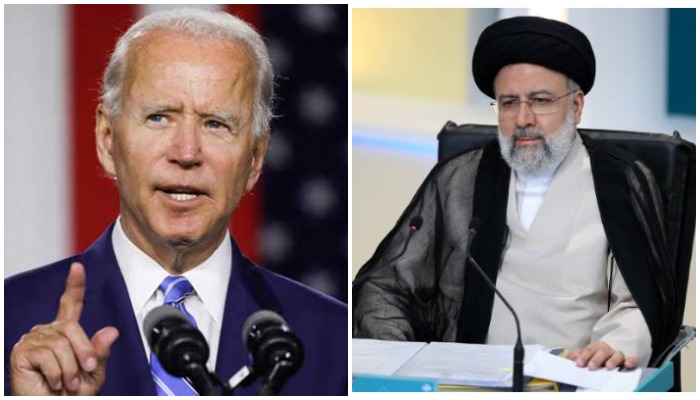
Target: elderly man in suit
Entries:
(182, 128)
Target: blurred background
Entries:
(411, 72)
(57, 201)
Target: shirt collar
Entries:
(143, 274)
(541, 178)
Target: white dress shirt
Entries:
(530, 191)
(143, 275)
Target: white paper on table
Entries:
(466, 364)
(547, 366)
(381, 357)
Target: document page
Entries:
(547, 366)
(465, 364)
(381, 357)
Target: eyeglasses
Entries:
(508, 107)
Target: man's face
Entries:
(182, 149)
(532, 142)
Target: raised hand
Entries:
(58, 358)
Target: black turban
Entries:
(533, 40)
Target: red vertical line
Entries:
(94, 30)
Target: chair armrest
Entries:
(685, 336)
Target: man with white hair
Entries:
(571, 228)
(182, 128)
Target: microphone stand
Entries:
(275, 379)
(206, 383)
(271, 384)
(518, 351)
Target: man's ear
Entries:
(104, 138)
(256, 162)
(578, 106)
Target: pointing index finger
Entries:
(71, 304)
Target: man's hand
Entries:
(58, 358)
(598, 353)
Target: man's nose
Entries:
(186, 145)
(524, 116)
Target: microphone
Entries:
(518, 351)
(276, 350)
(416, 223)
(181, 349)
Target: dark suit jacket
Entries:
(32, 297)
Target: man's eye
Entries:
(509, 103)
(156, 118)
(213, 124)
(540, 101)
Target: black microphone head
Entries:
(271, 341)
(416, 222)
(174, 340)
(475, 224)
(259, 318)
(157, 315)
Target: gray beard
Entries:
(533, 160)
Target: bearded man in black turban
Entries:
(551, 202)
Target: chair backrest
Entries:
(670, 158)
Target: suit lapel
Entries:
(107, 303)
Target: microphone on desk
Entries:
(518, 351)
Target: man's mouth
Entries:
(182, 196)
(527, 139)
(181, 193)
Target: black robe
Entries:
(417, 287)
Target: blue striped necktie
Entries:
(176, 290)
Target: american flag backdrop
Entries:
(57, 202)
